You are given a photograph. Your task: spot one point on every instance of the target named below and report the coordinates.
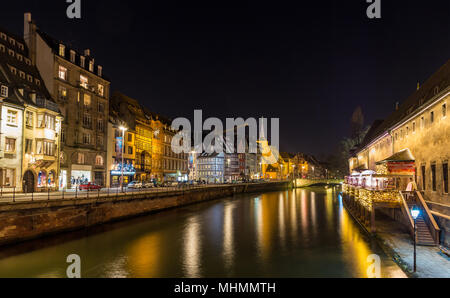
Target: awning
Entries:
(402, 156)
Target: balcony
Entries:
(46, 104)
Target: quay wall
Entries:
(30, 220)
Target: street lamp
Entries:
(123, 129)
(415, 212)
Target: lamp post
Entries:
(123, 129)
(415, 212)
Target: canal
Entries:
(295, 233)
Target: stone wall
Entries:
(26, 221)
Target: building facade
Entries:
(81, 91)
(421, 124)
(210, 168)
(30, 122)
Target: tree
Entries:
(357, 124)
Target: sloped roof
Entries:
(404, 155)
(440, 80)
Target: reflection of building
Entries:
(293, 166)
(210, 167)
(77, 83)
(30, 122)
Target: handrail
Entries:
(406, 212)
(430, 218)
(440, 215)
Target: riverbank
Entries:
(396, 242)
(31, 220)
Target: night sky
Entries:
(310, 63)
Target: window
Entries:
(49, 122)
(91, 65)
(82, 61)
(63, 135)
(407, 130)
(422, 123)
(62, 50)
(10, 145)
(28, 146)
(424, 180)
(99, 160)
(2, 48)
(84, 81)
(38, 82)
(100, 125)
(72, 56)
(100, 141)
(444, 110)
(87, 100)
(101, 108)
(433, 177)
(40, 119)
(86, 139)
(62, 73)
(445, 176)
(19, 57)
(4, 91)
(99, 71)
(30, 78)
(87, 120)
(432, 117)
(130, 150)
(9, 177)
(29, 119)
(11, 117)
(81, 158)
(49, 148)
(414, 127)
(130, 138)
(62, 93)
(101, 90)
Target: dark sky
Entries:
(309, 63)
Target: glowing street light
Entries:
(415, 213)
(123, 129)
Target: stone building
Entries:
(30, 122)
(420, 124)
(210, 167)
(175, 166)
(81, 90)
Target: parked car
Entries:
(148, 184)
(89, 186)
(135, 185)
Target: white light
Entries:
(415, 212)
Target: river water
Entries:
(296, 233)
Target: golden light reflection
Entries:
(145, 255)
(228, 247)
(314, 212)
(304, 212)
(281, 220)
(294, 220)
(192, 249)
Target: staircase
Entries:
(424, 237)
(426, 227)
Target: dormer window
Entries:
(82, 61)
(11, 52)
(2, 48)
(22, 74)
(30, 78)
(99, 70)
(62, 50)
(20, 46)
(101, 90)
(72, 56)
(4, 91)
(436, 90)
(91, 66)
(19, 57)
(14, 70)
(27, 61)
(38, 82)
(12, 41)
(3, 35)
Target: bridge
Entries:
(299, 183)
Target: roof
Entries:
(402, 156)
(439, 81)
(54, 43)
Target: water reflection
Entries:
(300, 233)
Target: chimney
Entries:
(397, 106)
(26, 26)
(29, 35)
(87, 52)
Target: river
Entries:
(295, 233)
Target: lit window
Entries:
(87, 100)
(101, 90)
(81, 158)
(29, 119)
(84, 81)
(49, 122)
(99, 160)
(10, 145)
(4, 91)
(82, 61)
(422, 123)
(62, 73)
(62, 50)
(62, 93)
(11, 117)
(30, 78)
(91, 65)
(72, 56)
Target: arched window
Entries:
(99, 160)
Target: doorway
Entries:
(28, 182)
